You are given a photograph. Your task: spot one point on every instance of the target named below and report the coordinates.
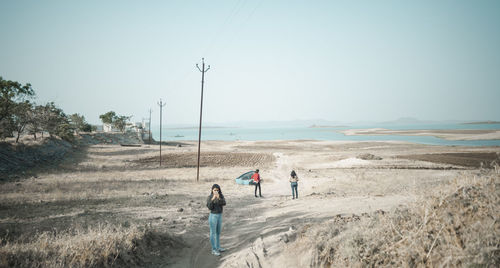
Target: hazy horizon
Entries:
(277, 61)
(317, 122)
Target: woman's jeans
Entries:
(215, 222)
(294, 188)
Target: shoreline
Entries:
(446, 134)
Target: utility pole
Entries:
(149, 128)
(203, 71)
(161, 104)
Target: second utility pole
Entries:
(149, 127)
(161, 107)
(202, 70)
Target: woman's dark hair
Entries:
(216, 186)
(293, 174)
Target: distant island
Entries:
(482, 123)
(320, 126)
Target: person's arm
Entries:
(210, 203)
(222, 201)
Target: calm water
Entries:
(306, 133)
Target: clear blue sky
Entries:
(270, 60)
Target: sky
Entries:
(341, 61)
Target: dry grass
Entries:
(457, 225)
(102, 246)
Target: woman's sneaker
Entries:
(215, 252)
(222, 249)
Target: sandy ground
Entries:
(125, 185)
(448, 134)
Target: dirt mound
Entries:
(19, 157)
(208, 159)
(109, 138)
(476, 160)
(369, 157)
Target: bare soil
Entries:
(475, 160)
(124, 187)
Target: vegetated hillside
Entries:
(456, 226)
(109, 138)
(18, 158)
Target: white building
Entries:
(109, 128)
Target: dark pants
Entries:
(294, 188)
(258, 185)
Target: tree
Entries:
(35, 125)
(11, 92)
(120, 122)
(21, 117)
(79, 123)
(108, 117)
(57, 123)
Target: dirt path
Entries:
(244, 219)
(253, 228)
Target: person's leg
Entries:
(219, 228)
(260, 194)
(212, 221)
(296, 190)
(293, 196)
(256, 189)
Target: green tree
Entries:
(79, 123)
(57, 123)
(35, 126)
(11, 92)
(108, 117)
(120, 122)
(21, 117)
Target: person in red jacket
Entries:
(256, 179)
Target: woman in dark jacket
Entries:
(215, 203)
(294, 183)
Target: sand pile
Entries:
(350, 162)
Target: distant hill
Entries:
(482, 123)
(414, 121)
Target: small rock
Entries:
(284, 238)
(180, 210)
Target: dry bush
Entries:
(459, 226)
(103, 246)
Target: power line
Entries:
(236, 9)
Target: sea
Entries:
(321, 133)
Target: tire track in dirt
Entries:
(248, 209)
